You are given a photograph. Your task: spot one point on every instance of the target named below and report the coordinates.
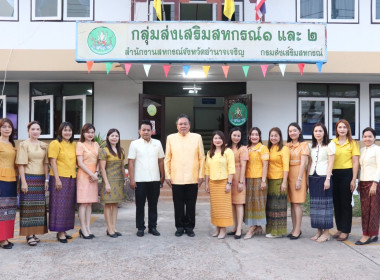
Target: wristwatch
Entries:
(229, 183)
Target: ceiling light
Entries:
(194, 75)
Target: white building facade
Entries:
(42, 77)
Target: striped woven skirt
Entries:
(276, 209)
(370, 209)
(33, 218)
(256, 200)
(62, 204)
(220, 202)
(321, 203)
(8, 205)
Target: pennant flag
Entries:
(206, 69)
(264, 69)
(245, 69)
(108, 67)
(282, 68)
(260, 9)
(166, 69)
(146, 69)
(301, 66)
(225, 68)
(186, 69)
(89, 66)
(229, 8)
(319, 65)
(157, 7)
(127, 67)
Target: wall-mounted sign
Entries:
(238, 114)
(152, 110)
(201, 41)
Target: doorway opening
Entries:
(207, 105)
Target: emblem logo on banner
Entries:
(238, 114)
(101, 40)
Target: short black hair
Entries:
(370, 129)
(61, 128)
(183, 116)
(146, 122)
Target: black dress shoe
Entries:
(6, 246)
(231, 233)
(179, 232)
(237, 236)
(14, 244)
(289, 235)
(295, 237)
(61, 240)
(68, 236)
(373, 239)
(190, 233)
(111, 235)
(154, 231)
(118, 233)
(81, 235)
(140, 233)
(93, 236)
(363, 243)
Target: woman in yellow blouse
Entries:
(256, 174)
(8, 186)
(219, 171)
(62, 182)
(345, 170)
(368, 187)
(33, 167)
(111, 162)
(238, 189)
(277, 185)
(299, 152)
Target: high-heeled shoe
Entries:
(93, 236)
(295, 237)
(61, 240)
(81, 235)
(111, 235)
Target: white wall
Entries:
(117, 106)
(273, 104)
(62, 35)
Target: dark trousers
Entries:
(342, 197)
(185, 199)
(147, 191)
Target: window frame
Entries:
(298, 13)
(66, 18)
(355, 134)
(45, 97)
(4, 98)
(373, 12)
(354, 20)
(50, 18)
(16, 13)
(238, 5)
(84, 111)
(300, 99)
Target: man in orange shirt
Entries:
(184, 162)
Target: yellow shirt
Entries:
(257, 155)
(219, 167)
(64, 152)
(344, 154)
(278, 162)
(7, 162)
(34, 157)
(184, 158)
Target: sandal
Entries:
(316, 236)
(337, 234)
(31, 241)
(36, 238)
(323, 238)
(258, 231)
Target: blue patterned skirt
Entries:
(33, 218)
(321, 203)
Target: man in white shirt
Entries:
(146, 172)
